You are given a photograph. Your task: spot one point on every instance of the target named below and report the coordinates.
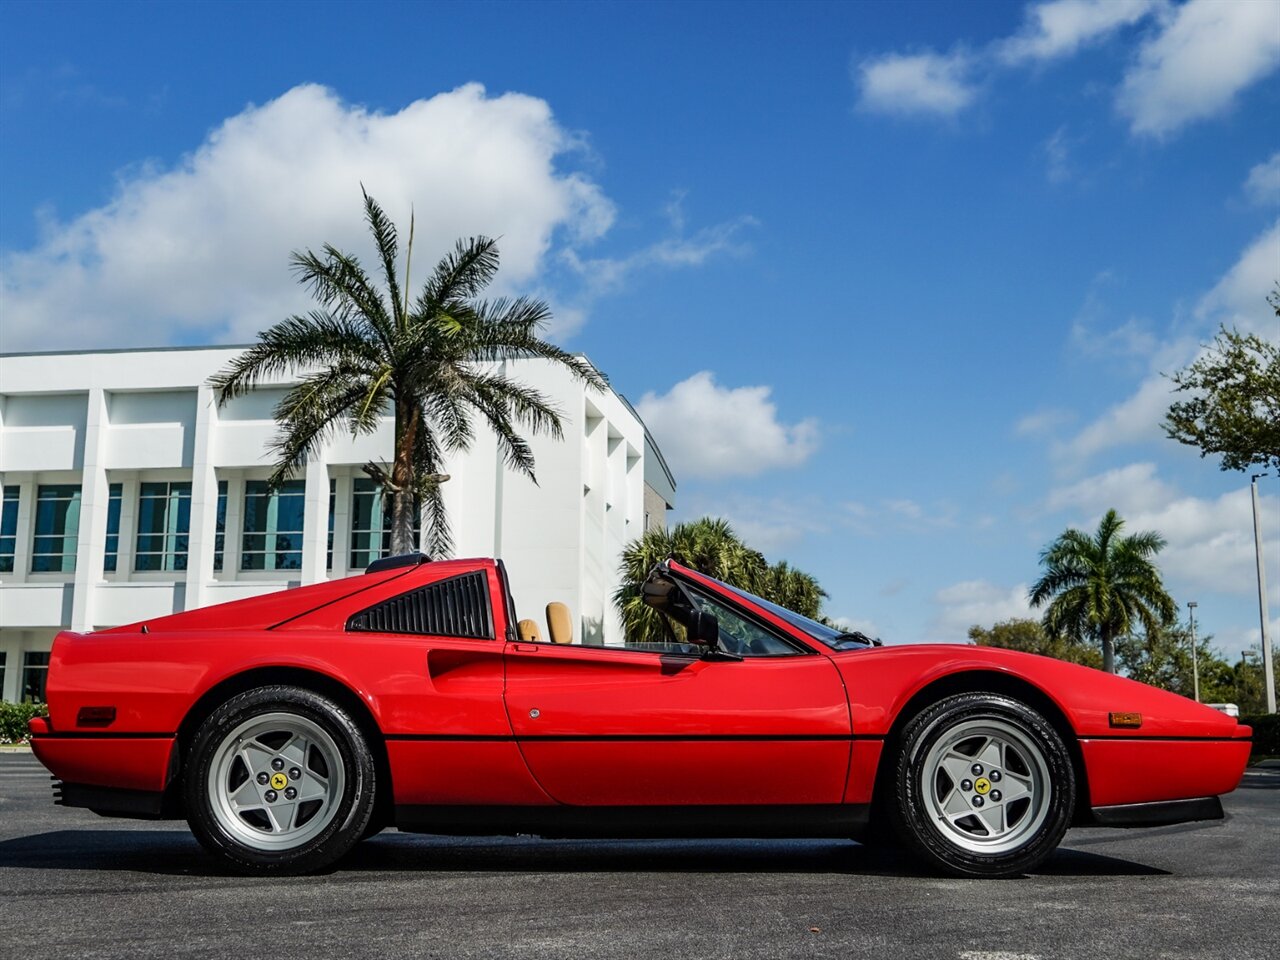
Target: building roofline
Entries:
(662, 461)
(170, 349)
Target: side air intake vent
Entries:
(457, 607)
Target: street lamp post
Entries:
(1268, 667)
(1195, 664)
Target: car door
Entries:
(612, 726)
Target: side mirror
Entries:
(704, 629)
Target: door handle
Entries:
(524, 647)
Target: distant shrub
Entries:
(14, 717)
(1266, 734)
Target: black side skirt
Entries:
(623, 823)
(1160, 814)
(112, 802)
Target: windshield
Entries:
(831, 637)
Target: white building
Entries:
(128, 493)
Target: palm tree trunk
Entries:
(1108, 651)
(402, 504)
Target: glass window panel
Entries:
(9, 513)
(115, 496)
(220, 537)
(371, 523)
(164, 520)
(53, 548)
(333, 496)
(35, 671)
(9, 527)
(272, 531)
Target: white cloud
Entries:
(706, 430)
(1061, 27)
(1239, 299)
(1210, 540)
(920, 83)
(768, 524)
(1263, 183)
(1057, 152)
(200, 251)
(1206, 53)
(981, 602)
(1135, 419)
(854, 625)
(1126, 489)
(1041, 422)
(605, 274)
(1133, 338)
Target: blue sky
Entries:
(894, 284)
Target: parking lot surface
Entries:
(76, 885)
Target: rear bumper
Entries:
(131, 763)
(1162, 813)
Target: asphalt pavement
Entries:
(75, 885)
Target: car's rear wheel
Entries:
(982, 786)
(279, 780)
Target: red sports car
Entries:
(288, 727)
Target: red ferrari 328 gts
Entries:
(286, 728)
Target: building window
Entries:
(35, 671)
(333, 499)
(8, 529)
(3, 659)
(220, 535)
(57, 524)
(115, 494)
(273, 526)
(164, 526)
(371, 524)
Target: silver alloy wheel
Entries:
(276, 781)
(986, 786)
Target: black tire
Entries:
(241, 839)
(937, 820)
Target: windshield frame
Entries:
(831, 638)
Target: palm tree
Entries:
(1099, 588)
(433, 363)
(708, 545)
(794, 589)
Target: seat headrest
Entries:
(559, 623)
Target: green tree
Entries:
(1250, 691)
(1029, 636)
(1101, 587)
(794, 589)
(1162, 658)
(433, 363)
(710, 546)
(1233, 404)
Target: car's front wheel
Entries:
(982, 786)
(279, 780)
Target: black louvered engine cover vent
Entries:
(457, 607)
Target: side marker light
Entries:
(95, 716)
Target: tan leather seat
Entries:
(529, 632)
(559, 623)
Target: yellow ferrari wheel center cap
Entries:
(279, 781)
(982, 785)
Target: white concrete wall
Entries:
(98, 419)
